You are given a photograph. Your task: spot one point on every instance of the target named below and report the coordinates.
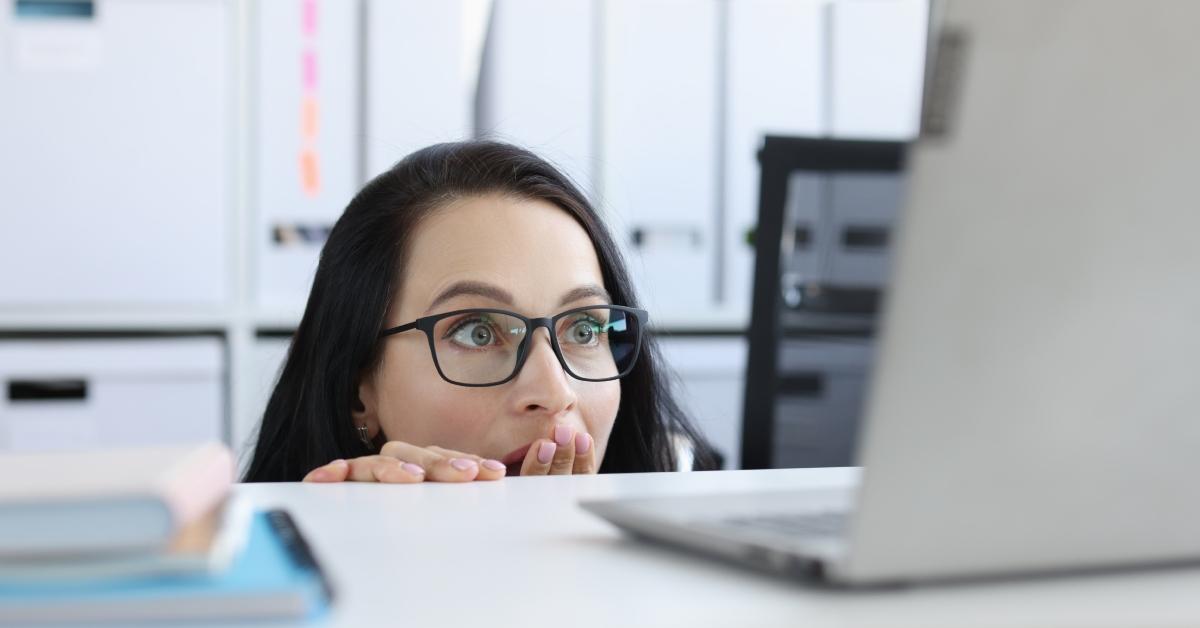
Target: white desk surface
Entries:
(520, 552)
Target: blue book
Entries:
(275, 576)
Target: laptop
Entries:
(1035, 402)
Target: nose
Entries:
(542, 386)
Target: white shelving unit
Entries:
(378, 65)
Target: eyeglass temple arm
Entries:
(397, 330)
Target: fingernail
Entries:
(339, 462)
(562, 435)
(546, 452)
(462, 464)
(494, 465)
(414, 469)
(583, 442)
(319, 475)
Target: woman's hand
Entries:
(402, 463)
(566, 453)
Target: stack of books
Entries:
(147, 534)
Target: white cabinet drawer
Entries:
(84, 393)
(266, 363)
(820, 391)
(711, 379)
(864, 210)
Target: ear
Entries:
(364, 409)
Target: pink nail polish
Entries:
(462, 464)
(546, 452)
(493, 465)
(583, 442)
(413, 468)
(562, 435)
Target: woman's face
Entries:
(493, 251)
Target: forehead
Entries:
(530, 248)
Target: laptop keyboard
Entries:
(820, 524)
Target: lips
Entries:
(514, 458)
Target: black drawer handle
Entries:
(862, 237)
(675, 234)
(25, 390)
(802, 385)
(803, 237)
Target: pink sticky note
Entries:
(308, 69)
(308, 17)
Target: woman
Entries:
(426, 353)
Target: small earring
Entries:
(364, 434)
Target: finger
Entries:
(334, 471)
(488, 469)
(454, 470)
(585, 454)
(384, 469)
(538, 458)
(441, 464)
(450, 453)
(420, 456)
(564, 452)
(444, 465)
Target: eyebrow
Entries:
(586, 292)
(477, 288)
(496, 293)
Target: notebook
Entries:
(206, 545)
(276, 576)
(110, 500)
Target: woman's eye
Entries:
(474, 334)
(583, 333)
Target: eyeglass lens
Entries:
(483, 347)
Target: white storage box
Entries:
(115, 154)
(660, 151)
(84, 393)
(537, 85)
(878, 60)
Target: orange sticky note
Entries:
(310, 172)
(309, 118)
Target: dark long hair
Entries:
(308, 421)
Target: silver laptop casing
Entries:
(1035, 401)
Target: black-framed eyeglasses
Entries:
(488, 347)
